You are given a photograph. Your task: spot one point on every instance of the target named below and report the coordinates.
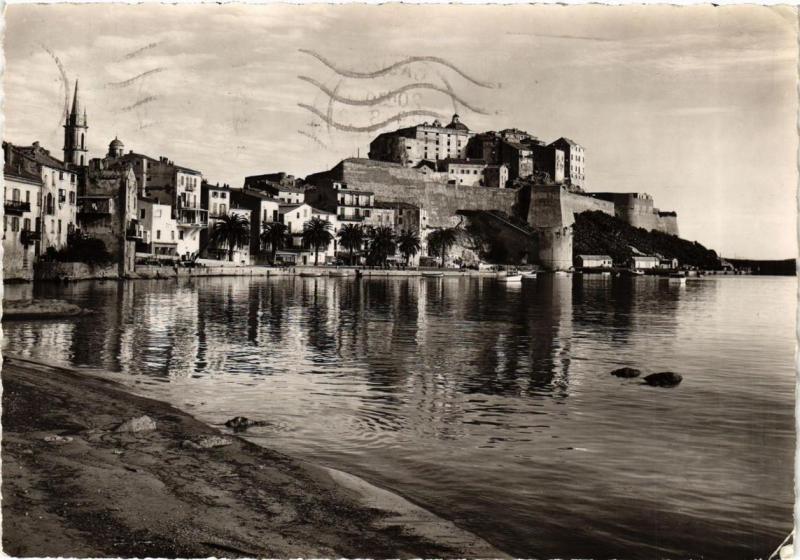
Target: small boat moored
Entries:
(529, 276)
(677, 277)
(311, 274)
(510, 278)
(432, 274)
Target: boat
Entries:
(312, 274)
(432, 274)
(529, 276)
(338, 274)
(677, 277)
(510, 278)
(562, 273)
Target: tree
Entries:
(381, 244)
(317, 234)
(440, 241)
(232, 230)
(408, 243)
(276, 235)
(351, 237)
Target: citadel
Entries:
(519, 191)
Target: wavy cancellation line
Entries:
(138, 77)
(370, 128)
(387, 96)
(410, 60)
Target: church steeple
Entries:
(75, 128)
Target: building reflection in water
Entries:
(433, 342)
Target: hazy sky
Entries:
(696, 106)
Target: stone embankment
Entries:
(90, 470)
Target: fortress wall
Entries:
(668, 224)
(638, 210)
(555, 206)
(395, 183)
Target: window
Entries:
(14, 224)
(180, 235)
(142, 213)
(158, 234)
(28, 197)
(172, 235)
(26, 224)
(52, 226)
(72, 198)
(214, 194)
(274, 215)
(5, 223)
(59, 227)
(222, 209)
(223, 195)
(60, 175)
(15, 195)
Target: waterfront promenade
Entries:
(73, 486)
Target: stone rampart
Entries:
(394, 183)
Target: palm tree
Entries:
(317, 234)
(276, 235)
(408, 243)
(440, 240)
(382, 244)
(232, 230)
(351, 237)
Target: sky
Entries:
(695, 105)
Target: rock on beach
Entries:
(137, 425)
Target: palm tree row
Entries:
(233, 231)
(381, 243)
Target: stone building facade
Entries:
(409, 146)
(574, 160)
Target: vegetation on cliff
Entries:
(596, 233)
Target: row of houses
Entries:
(636, 262)
(149, 208)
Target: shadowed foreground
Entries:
(106, 493)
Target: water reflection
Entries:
(489, 401)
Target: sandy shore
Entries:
(107, 493)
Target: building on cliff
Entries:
(574, 159)
(409, 146)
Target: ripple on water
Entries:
(492, 406)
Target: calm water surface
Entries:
(489, 404)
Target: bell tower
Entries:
(75, 129)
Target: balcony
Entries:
(17, 207)
(94, 208)
(192, 217)
(28, 236)
(134, 232)
(356, 219)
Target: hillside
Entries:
(786, 267)
(597, 233)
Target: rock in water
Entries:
(242, 423)
(663, 379)
(136, 425)
(627, 372)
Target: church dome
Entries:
(116, 143)
(457, 124)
